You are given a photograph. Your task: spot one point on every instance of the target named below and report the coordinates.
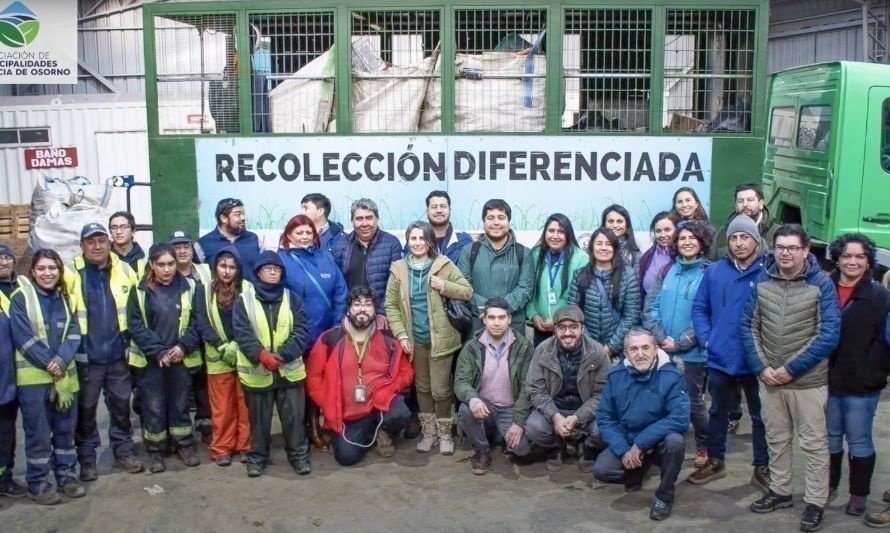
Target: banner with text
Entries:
(38, 41)
(537, 176)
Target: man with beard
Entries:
(748, 201)
(642, 416)
(9, 405)
(448, 242)
(356, 373)
(123, 228)
(564, 383)
(230, 231)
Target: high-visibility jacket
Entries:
(256, 376)
(215, 364)
(25, 372)
(203, 272)
(4, 300)
(122, 280)
(193, 360)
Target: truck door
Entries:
(874, 206)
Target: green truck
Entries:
(827, 157)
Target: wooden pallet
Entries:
(15, 226)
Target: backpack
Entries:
(474, 253)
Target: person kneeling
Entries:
(489, 382)
(356, 373)
(564, 383)
(642, 416)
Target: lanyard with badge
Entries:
(553, 273)
(361, 392)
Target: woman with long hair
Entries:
(660, 256)
(617, 219)
(415, 306)
(46, 337)
(556, 259)
(312, 274)
(230, 426)
(668, 314)
(687, 206)
(608, 292)
(164, 352)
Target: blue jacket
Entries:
(382, 251)
(104, 343)
(668, 311)
(717, 312)
(451, 245)
(247, 244)
(7, 362)
(642, 409)
(41, 353)
(301, 267)
(333, 233)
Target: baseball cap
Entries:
(227, 204)
(179, 237)
(93, 228)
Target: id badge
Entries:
(551, 297)
(361, 393)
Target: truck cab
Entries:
(827, 156)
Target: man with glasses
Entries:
(9, 405)
(356, 373)
(789, 327)
(100, 284)
(230, 231)
(123, 228)
(564, 382)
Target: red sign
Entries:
(50, 157)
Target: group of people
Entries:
(357, 340)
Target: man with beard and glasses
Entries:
(230, 231)
(356, 373)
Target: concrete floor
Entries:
(413, 492)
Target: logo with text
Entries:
(18, 26)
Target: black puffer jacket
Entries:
(861, 362)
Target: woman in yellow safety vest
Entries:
(46, 337)
(214, 301)
(163, 351)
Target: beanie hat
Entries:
(6, 250)
(268, 257)
(744, 224)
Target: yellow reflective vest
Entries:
(25, 372)
(215, 364)
(191, 361)
(4, 300)
(256, 376)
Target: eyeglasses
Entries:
(270, 269)
(122, 227)
(574, 328)
(362, 305)
(7, 259)
(789, 249)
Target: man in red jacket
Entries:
(356, 374)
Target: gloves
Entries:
(229, 353)
(269, 360)
(64, 387)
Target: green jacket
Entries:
(445, 340)
(538, 305)
(498, 273)
(468, 373)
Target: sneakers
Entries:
(128, 464)
(254, 470)
(878, 520)
(713, 469)
(385, 446)
(554, 460)
(223, 460)
(660, 510)
(73, 490)
(701, 458)
(429, 431)
(88, 472)
(770, 501)
(812, 518)
(733, 427)
(187, 456)
(856, 506)
(45, 497)
(156, 463)
(481, 462)
(760, 477)
(11, 489)
(303, 467)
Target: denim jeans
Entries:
(499, 421)
(721, 387)
(851, 416)
(695, 374)
(359, 435)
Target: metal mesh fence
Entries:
(197, 74)
(396, 71)
(293, 67)
(709, 70)
(607, 69)
(500, 69)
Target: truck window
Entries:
(781, 126)
(814, 129)
(885, 137)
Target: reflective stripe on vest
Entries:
(25, 372)
(255, 375)
(122, 279)
(5, 301)
(203, 272)
(137, 358)
(215, 365)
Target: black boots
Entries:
(861, 469)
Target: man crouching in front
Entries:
(356, 374)
(642, 416)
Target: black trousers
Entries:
(8, 414)
(291, 405)
(667, 454)
(165, 407)
(114, 380)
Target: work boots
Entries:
(861, 469)
(313, 427)
(385, 446)
(429, 431)
(446, 442)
